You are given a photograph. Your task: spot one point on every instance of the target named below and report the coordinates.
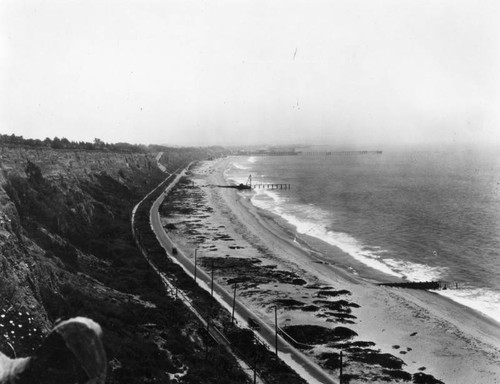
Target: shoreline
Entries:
(275, 224)
(424, 329)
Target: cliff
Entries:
(66, 250)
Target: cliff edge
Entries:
(66, 251)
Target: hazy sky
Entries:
(348, 72)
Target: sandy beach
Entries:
(393, 330)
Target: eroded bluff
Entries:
(66, 250)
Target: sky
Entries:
(362, 73)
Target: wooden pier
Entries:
(250, 185)
(338, 153)
(271, 186)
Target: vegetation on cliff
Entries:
(99, 145)
(67, 250)
(63, 143)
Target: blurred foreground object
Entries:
(72, 353)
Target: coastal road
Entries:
(215, 333)
(306, 368)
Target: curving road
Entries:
(214, 332)
(309, 370)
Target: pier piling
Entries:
(272, 186)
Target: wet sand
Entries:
(272, 265)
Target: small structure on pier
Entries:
(249, 185)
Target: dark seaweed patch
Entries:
(333, 293)
(423, 378)
(315, 334)
(385, 360)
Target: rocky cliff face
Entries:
(57, 213)
(66, 250)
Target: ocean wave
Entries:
(313, 221)
(239, 166)
(375, 215)
(227, 174)
(268, 200)
(483, 300)
(236, 172)
(347, 244)
(416, 271)
(232, 177)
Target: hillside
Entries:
(67, 250)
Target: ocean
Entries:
(411, 215)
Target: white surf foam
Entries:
(231, 177)
(483, 300)
(313, 221)
(237, 171)
(239, 166)
(349, 245)
(268, 200)
(415, 271)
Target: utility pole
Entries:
(234, 303)
(254, 360)
(212, 285)
(208, 319)
(195, 250)
(340, 375)
(276, 329)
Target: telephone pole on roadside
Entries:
(212, 285)
(195, 251)
(276, 329)
(234, 303)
